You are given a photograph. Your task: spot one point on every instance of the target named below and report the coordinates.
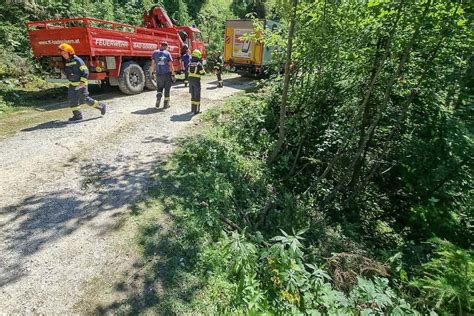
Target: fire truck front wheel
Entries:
(132, 78)
(150, 78)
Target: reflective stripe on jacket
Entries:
(76, 71)
(196, 69)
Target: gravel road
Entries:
(65, 189)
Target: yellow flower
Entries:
(276, 281)
(291, 298)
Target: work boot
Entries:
(166, 104)
(193, 108)
(158, 101)
(76, 116)
(198, 108)
(103, 108)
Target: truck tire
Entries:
(131, 78)
(150, 78)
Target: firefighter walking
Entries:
(218, 68)
(196, 69)
(185, 60)
(77, 73)
(162, 63)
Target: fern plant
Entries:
(447, 280)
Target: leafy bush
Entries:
(276, 278)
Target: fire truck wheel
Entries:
(150, 78)
(132, 78)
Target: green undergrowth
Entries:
(22, 85)
(230, 249)
(17, 94)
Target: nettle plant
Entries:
(275, 277)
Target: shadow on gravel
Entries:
(85, 120)
(164, 140)
(43, 218)
(182, 117)
(46, 125)
(57, 124)
(235, 81)
(240, 83)
(163, 277)
(147, 111)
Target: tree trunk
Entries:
(377, 69)
(356, 165)
(286, 83)
(364, 141)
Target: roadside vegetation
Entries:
(348, 189)
(243, 241)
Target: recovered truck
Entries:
(243, 55)
(114, 52)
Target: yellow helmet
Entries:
(67, 48)
(197, 53)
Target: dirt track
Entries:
(66, 190)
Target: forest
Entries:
(341, 185)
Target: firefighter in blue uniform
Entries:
(185, 60)
(196, 69)
(162, 63)
(77, 73)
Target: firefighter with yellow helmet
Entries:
(196, 70)
(77, 73)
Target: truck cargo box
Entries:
(246, 56)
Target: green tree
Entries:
(244, 7)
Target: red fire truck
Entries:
(114, 52)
